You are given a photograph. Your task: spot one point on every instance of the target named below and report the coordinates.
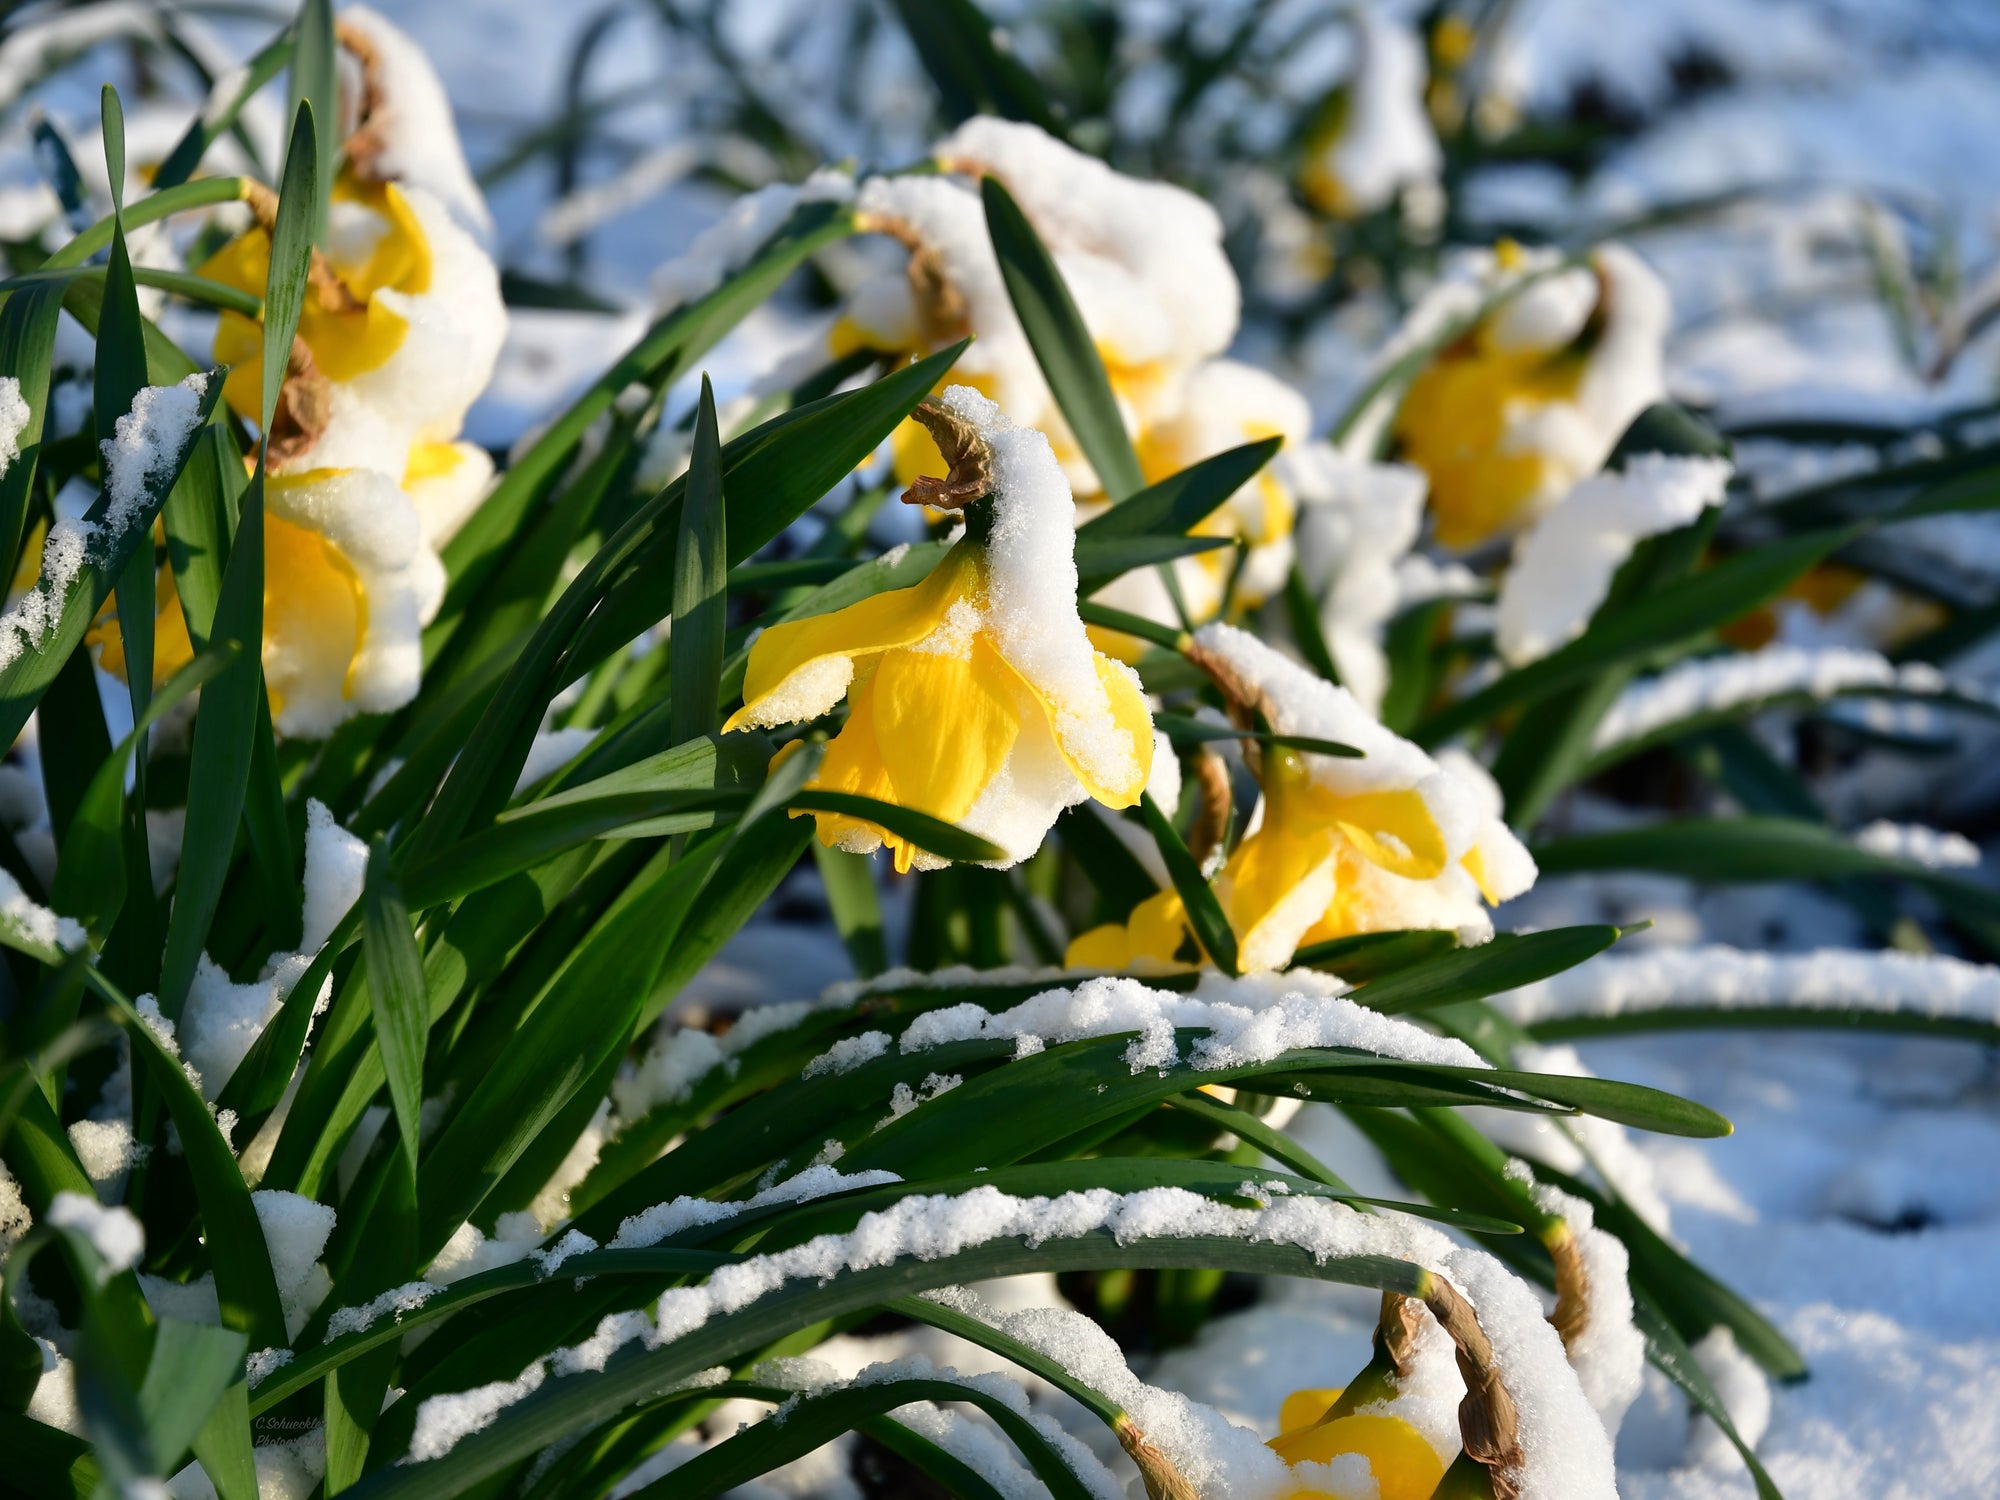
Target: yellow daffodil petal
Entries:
(1303, 1408)
(1405, 1465)
(1129, 714)
(398, 257)
(315, 612)
(1394, 830)
(944, 725)
(1475, 866)
(1156, 931)
(1100, 948)
(900, 617)
(1275, 886)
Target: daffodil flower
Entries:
(402, 320)
(348, 585)
(1400, 1460)
(974, 696)
(1390, 840)
(1536, 394)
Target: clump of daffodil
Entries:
(1388, 840)
(401, 327)
(1372, 139)
(1535, 394)
(1145, 265)
(974, 696)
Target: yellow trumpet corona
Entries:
(974, 696)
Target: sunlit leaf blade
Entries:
(300, 217)
(700, 569)
(1062, 344)
(395, 993)
(1204, 910)
(932, 835)
(221, 111)
(1509, 961)
(314, 86)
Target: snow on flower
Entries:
(1391, 839)
(1563, 566)
(1373, 138)
(1534, 395)
(974, 696)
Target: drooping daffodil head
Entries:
(1365, 1453)
(403, 320)
(1373, 138)
(1338, 845)
(974, 696)
(348, 587)
(1142, 260)
(1534, 395)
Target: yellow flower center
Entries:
(378, 246)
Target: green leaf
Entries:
(1180, 502)
(90, 873)
(193, 1366)
(219, 759)
(700, 605)
(1369, 955)
(1062, 344)
(1302, 611)
(1676, 614)
(774, 472)
(314, 86)
(219, 114)
(932, 835)
(1100, 561)
(677, 790)
(662, 354)
(112, 114)
(1204, 910)
(301, 221)
(953, 1475)
(849, 882)
(1507, 962)
(24, 680)
(578, 1402)
(814, 1420)
(1183, 730)
(1627, 1103)
(955, 41)
(396, 993)
(27, 341)
(1121, 881)
(1127, 623)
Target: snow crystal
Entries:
(1246, 1023)
(576, 1242)
(664, 1220)
(33, 920)
(264, 1363)
(1711, 684)
(146, 442)
(411, 122)
(679, 1057)
(849, 1053)
(1608, 1352)
(114, 1233)
(1564, 565)
(15, 1220)
(394, 1302)
(1656, 979)
(29, 618)
(106, 1150)
(1386, 141)
(1166, 238)
(1357, 521)
(295, 1233)
(444, 1421)
(336, 866)
(1745, 1394)
(14, 419)
(1934, 848)
(469, 1252)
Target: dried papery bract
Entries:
(1162, 1480)
(1489, 1421)
(967, 455)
